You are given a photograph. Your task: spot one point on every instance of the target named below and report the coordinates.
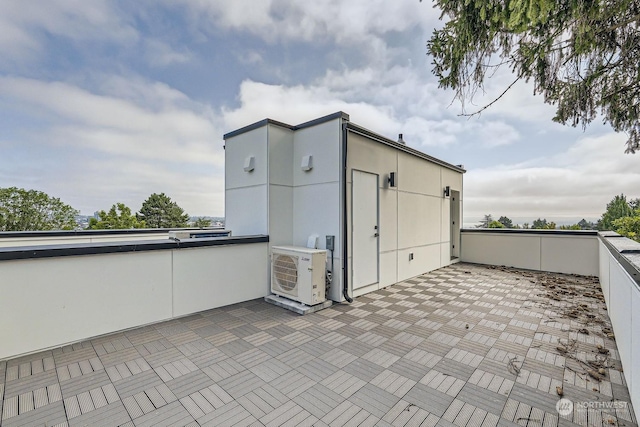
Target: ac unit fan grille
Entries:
(285, 271)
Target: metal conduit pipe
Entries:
(345, 270)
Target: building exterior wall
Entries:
(292, 204)
(280, 213)
(316, 193)
(246, 193)
(413, 216)
(297, 203)
(368, 156)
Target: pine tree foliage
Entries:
(159, 211)
(506, 222)
(486, 220)
(543, 224)
(581, 55)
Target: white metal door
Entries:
(364, 225)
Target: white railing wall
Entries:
(51, 301)
(619, 278)
(559, 251)
(77, 239)
(27, 238)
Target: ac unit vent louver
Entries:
(285, 272)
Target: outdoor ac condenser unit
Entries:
(299, 273)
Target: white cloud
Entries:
(385, 83)
(293, 104)
(495, 133)
(131, 181)
(25, 24)
(113, 148)
(298, 104)
(27, 27)
(154, 95)
(317, 21)
(388, 101)
(423, 133)
(577, 182)
(251, 57)
(119, 126)
(517, 103)
(161, 54)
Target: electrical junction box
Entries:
(330, 243)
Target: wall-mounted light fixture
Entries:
(307, 163)
(447, 191)
(249, 164)
(392, 179)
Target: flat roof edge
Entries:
(102, 233)
(626, 257)
(531, 231)
(402, 147)
(265, 122)
(337, 115)
(13, 253)
(254, 126)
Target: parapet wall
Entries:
(59, 294)
(620, 281)
(558, 251)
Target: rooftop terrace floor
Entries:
(465, 345)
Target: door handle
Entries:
(376, 235)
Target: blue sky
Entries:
(110, 101)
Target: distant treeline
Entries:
(33, 210)
(621, 216)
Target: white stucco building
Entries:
(395, 212)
